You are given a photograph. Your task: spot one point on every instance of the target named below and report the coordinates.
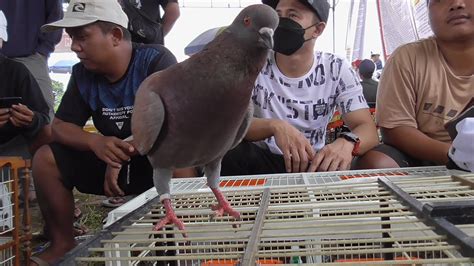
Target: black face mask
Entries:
(289, 36)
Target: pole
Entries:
(334, 26)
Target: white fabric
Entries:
(307, 102)
(3, 27)
(462, 149)
(83, 12)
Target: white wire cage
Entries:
(15, 231)
(373, 220)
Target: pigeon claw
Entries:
(221, 209)
(170, 219)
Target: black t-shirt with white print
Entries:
(111, 104)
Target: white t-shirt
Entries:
(307, 102)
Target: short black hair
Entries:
(367, 68)
(107, 27)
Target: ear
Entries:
(318, 29)
(117, 35)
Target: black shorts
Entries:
(402, 159)
(249, 159)
(86, 172)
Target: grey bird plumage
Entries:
(192, 113)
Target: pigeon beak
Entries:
(266, 38)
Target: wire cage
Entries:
(15, 227)
(382, 218)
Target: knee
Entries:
(374, 160)
(43, 162)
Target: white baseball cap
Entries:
(462, 149)
(83, 12)
(3, 27)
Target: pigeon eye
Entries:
(247, 21)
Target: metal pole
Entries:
(334, 26)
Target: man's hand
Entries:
(111, 187)
(297, 151)
(21, 115)
(112, 150)
(4, 116)
(333, 157)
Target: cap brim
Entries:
(67, 23)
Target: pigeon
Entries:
(192, 113)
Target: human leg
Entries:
(56, 204)
(249, 159)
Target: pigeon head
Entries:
(255, 24)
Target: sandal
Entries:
(114, 202)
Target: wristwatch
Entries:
(352, 138)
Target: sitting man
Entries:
(424, 85)
(369, 85)
(294, 98)
(102, 86)
(23, 125)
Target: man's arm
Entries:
(415, 143)
(297, 150)
(170, 16)
(111, 150)
(338, 155)
(362, 124)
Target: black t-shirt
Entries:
(111, 104)
(17, 81)
(151, 8)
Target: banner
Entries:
(358, 52)
(401, 22)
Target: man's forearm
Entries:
(362, 124)
(260, 129)
(72, 135)
(367, 134)
(416, 144)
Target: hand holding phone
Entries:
(21, 115)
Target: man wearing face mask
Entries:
(294, 98)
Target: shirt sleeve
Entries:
(349, 91)
(73, 108)
(396, 97)
(162, 61)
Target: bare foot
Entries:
(54, 253)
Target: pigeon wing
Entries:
(147, 119)
(244, 126)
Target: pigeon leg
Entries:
(170, 218)
(212, 172)
(161, 180)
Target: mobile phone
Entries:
(7, 102)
